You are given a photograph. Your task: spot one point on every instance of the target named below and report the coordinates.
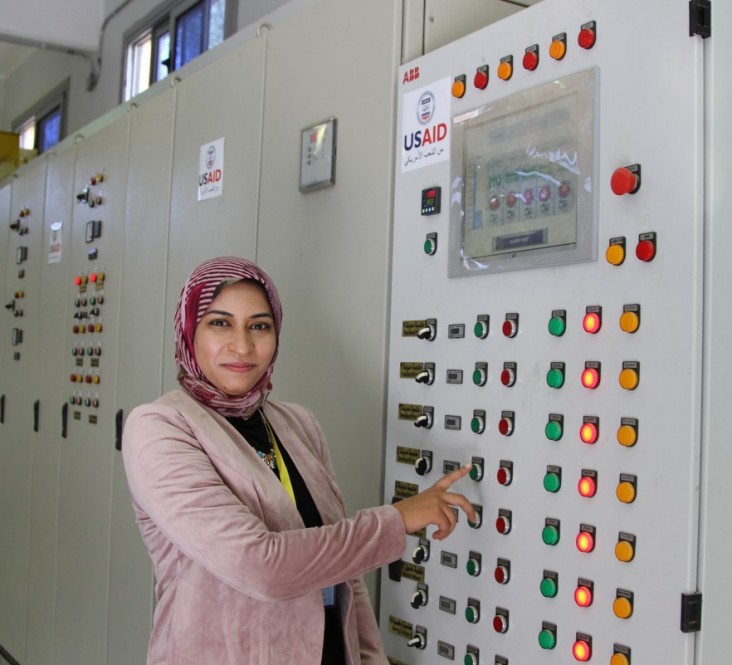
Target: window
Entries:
(44, 124)
(172, 37)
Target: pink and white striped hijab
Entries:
(196, 296)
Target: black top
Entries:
(255, 432)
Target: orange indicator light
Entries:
(591, 378)
(587, 486)
(581, 651)
(583, 596)
(585, 542)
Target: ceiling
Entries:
(71, 24)
(12, 56)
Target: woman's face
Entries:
(235, 340)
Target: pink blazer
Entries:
(238, 578)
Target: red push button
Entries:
(625, 180)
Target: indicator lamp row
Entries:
(592, 320)
(586, 39)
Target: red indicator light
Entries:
(480, 80)
(592, 322)
(583, 596)
(588, 433)
(531, 60)
(645, 250)
(503, 524)
(77, 280)
(93, 277)
(585, 541)
(504, 475)
(591, 378)
(587, 486)
(510, 327)
(500, 623)
(588, 35)
(508, 377)
(581, 651)
(505, 426)
(500, 574)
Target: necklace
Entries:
(270, 459)
(280, 465)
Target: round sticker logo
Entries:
(210, 156)
(425, 107)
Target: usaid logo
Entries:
(426, 108)
(210, 157)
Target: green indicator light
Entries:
(555, 378)
(548, 587)
(471, 614)
(552, 482)
(480, 329)
(553, 430)
(472, 567)
(557, 326)
(550, 535)
(479, 377)
(429, 247)
(547, 639)
(476, 424)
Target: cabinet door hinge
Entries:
(691, 612)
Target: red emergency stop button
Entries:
(588, 35)
(626, 180)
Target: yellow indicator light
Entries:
(629, 378)
(557, 49)
(629, 322)
(619, 659)
(625, 492)
(458, 87)
(505, 70)
(627, 435)
(615, 254)
(624, 551)
(622, 608)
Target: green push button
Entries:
(471, 614)
(553, 430)
(557, 326)
(552, 482)
(550, 535)
(473, 567)
(547, 639)
(548, 587)
(555, 378)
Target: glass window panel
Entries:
(189, 35)
(49, 130)
(27, 133)
(139, 58)
(216, 17)
(162, 60)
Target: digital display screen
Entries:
(524, 171)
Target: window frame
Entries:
(164, 19)
(58, 98)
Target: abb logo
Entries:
(411, 75)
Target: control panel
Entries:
(546, 330)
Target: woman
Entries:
(236, 499)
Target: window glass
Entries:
(189, 35)
(49, 130)
(162, 59)
(139, 57)
(27, 133)
(216, 16)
